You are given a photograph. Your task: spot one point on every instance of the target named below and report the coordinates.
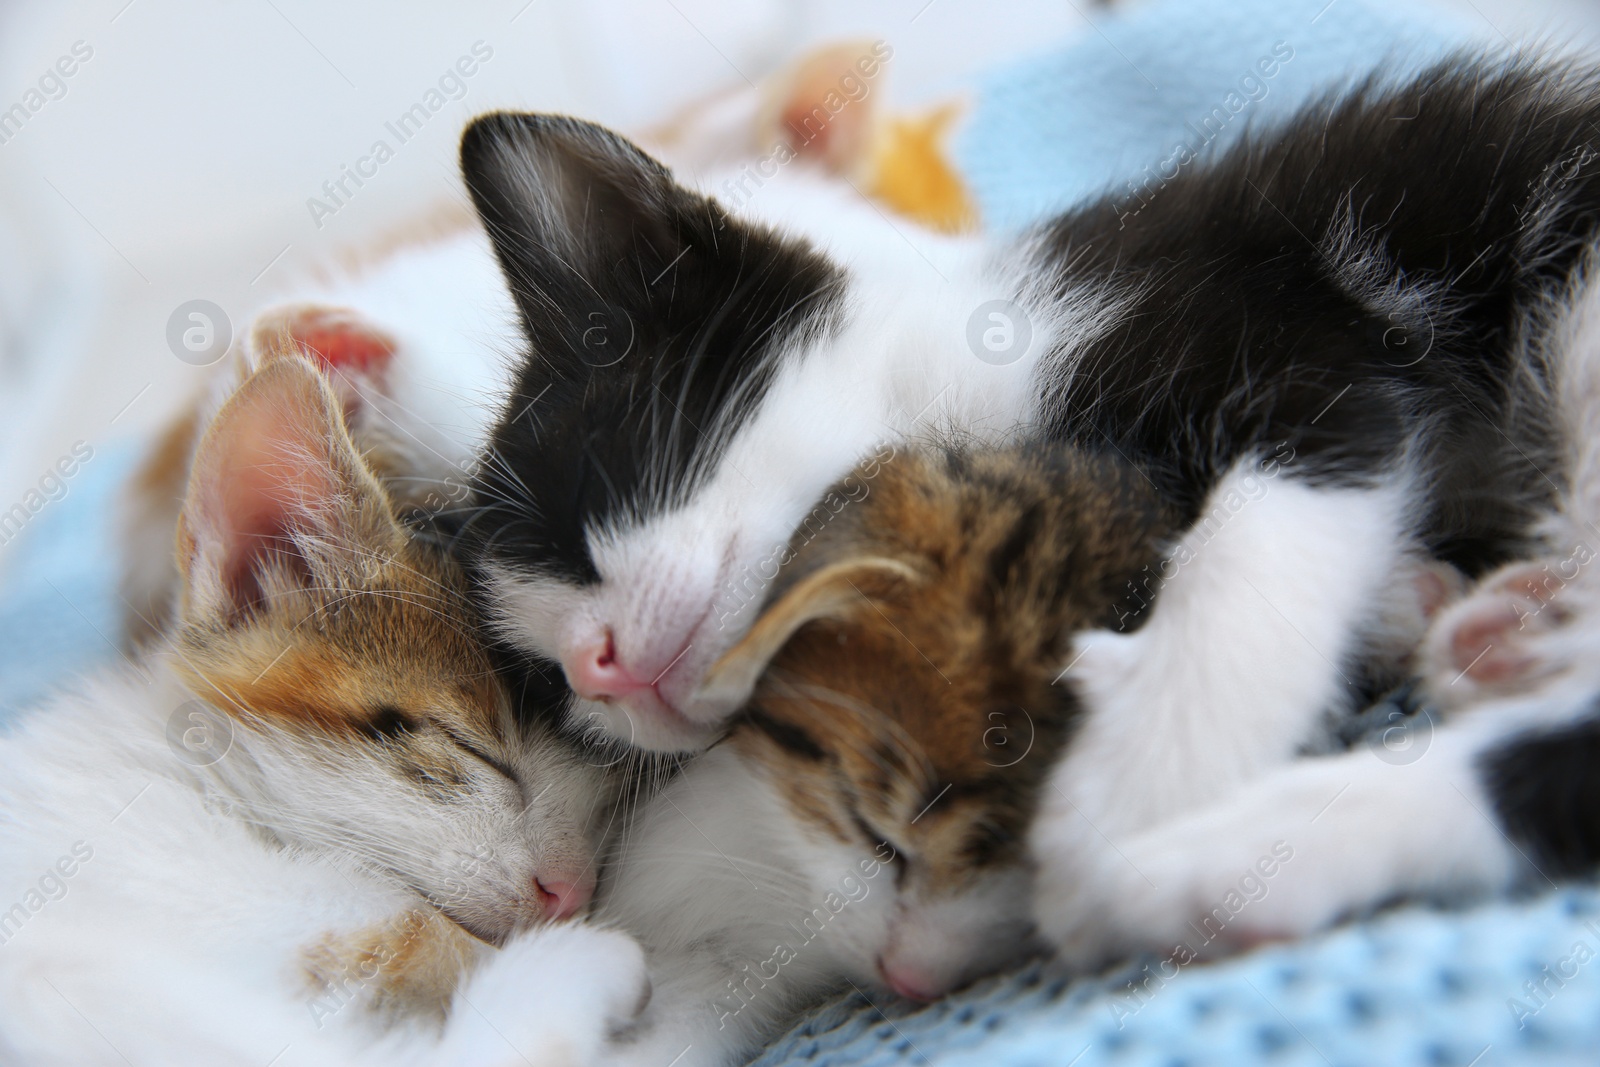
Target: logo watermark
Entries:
(1251, 888)
(198, 734)
(999, 332)
(50, 887)
(199, 332)
(1250, 89)
(749, 981)
(48, 88)
(749, 586)
(337, 191)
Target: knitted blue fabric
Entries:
(1507, 983)
(58, 604)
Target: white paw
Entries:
(1196, 888)
(550, 998)
(1490, 643)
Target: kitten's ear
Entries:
(576, 213)
(832, 592)
(277, 495)
(610, 260)
(822, 108)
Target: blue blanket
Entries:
(1504, 982)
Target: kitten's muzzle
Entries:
(554, 897)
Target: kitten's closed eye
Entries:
(395, 739)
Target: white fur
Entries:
(178, 939)
(446, 304)
(721, 873)
(1242, 650)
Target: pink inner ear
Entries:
(836, 137)
(268, 473)
(342, 340)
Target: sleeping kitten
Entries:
(921, 739)
(865, 822)
(1356, 289)
(308, 814)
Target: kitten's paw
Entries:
(1091, 903)
(551, 998)
(1191, 889)
(1490, 643)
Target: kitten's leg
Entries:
(1499, 791)
(1242, 650)
(406, 967)
(1289, 854)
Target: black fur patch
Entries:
(1473, 188)
(1546, 790)
(788, 736)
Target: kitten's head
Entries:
(654, 448)
(904, 690)
(346, 700)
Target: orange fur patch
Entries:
(406, 967)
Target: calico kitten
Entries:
(310, 810)
(865, 820)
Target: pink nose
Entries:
(595, 674)
(906, 983)
(563, 899)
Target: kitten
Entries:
(1337, 351)
(695, 380)
(1357, 289)
(920, 740)
(864, 823)
(1489, 788)
(307, 814)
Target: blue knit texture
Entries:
(1503, 983)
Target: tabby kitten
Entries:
(865, 821)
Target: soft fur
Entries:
(1344, 367)
(308, 814)
(864, 822)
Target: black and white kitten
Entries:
(1350, 350)
(1353, 290)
